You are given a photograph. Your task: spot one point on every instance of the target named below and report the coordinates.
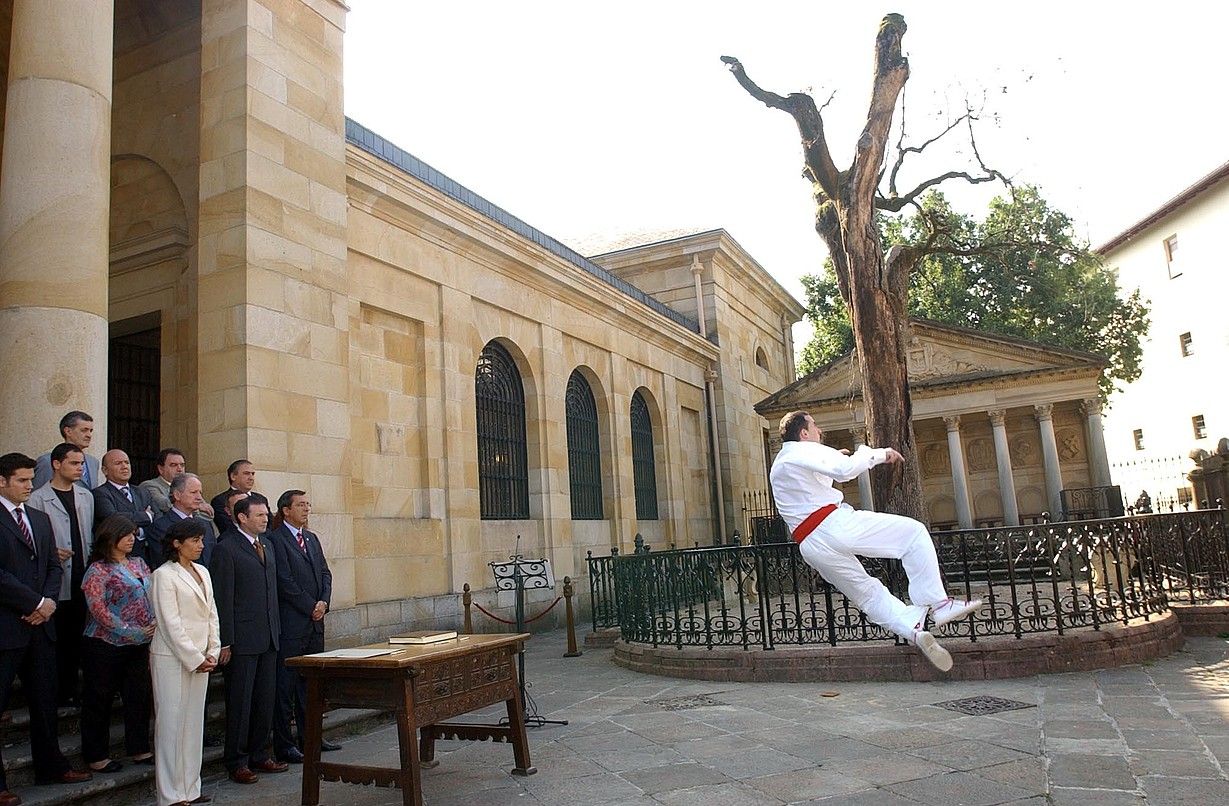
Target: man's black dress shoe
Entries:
(291, 756)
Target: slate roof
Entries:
(372, 143)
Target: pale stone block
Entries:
(315, 378)
(333, 418)
(277, 331)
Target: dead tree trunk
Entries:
(874, 285)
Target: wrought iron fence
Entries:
(1032, 579)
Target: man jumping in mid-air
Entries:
(831, 534)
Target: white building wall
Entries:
(1188, 295)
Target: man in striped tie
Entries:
(30, 575)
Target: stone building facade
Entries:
(1002, 426)
(197, 247)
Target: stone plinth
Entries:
(991, 659)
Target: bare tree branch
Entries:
(810, 123)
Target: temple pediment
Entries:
(937, 354)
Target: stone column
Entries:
(1002, 455)
(1049, 454)
(1098, 461)
(960, 478)
(55, 191)
(864, 478)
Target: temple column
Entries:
(1002, 455)
(864, 478)
(1098, 461)
(1049, 454)
(55, 190)
(960, 478)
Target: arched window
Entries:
(644, 467)
(584, 453)
(761, 358)
(503, 474)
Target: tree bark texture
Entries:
(873, 285)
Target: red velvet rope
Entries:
(527, 621)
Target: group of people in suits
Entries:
(157, 587)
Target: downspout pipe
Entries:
(710, 400)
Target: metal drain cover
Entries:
(981, 706)
(685, 703)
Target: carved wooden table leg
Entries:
(314, 717)
(426, 748)
(520, 743)
(411, 773)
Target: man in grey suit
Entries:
(304, 588)
(71, 510)
(77, 428)
(117, 495)
(244, 571)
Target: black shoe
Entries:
(328, 746)
(291, 756)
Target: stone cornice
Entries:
(940, 389)
(712, 242)
(147, 249)
(406, 198)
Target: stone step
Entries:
(134, 784)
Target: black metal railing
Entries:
(1042, 578)
(1090, 503)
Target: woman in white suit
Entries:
(184, 650)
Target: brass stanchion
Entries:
(572, 652)
(467, 600)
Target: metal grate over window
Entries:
(644, 467)
(503, 473)
(584, 452)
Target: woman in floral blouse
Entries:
(115, 651)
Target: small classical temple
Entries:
(1003, 426)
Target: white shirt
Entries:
(251, 539)
(803, 472)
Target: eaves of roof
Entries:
(1164, 210)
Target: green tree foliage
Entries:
(1021, 271)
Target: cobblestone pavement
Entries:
(1156, 733)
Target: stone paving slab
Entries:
(1148, 734)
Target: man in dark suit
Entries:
(244, 571)
(30, 575)
(304, 588)
(76, 428)
(117, 495)
(242, 477)
(186, 501)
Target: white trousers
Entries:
(179, 724)
(832, 550)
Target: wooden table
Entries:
(423, 685)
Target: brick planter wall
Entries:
(1113, 645)
(1207, 620)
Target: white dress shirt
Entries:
(803, 472)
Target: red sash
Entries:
(812, 522)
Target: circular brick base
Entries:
(1207, 619)
(987, 659)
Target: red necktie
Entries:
(25, 530)
(302, 544)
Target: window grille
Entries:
(503, 473)
(584, 452)
(644, 469)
